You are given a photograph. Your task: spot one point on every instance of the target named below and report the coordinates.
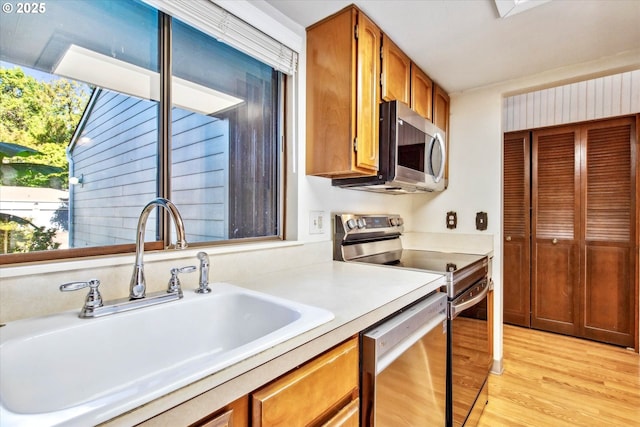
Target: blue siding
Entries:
(116, 154)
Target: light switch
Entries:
(481, 221)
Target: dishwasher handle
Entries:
(386, 359)
(468, 299)
(389, 339)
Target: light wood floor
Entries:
(553, 380)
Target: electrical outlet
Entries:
(452, 220)
(316, 222)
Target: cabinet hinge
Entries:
(355, 31)
(355, 144)
(381, 79)
(381, 50)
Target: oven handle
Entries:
(458, 308)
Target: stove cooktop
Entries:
(441, 262)
(460, 270)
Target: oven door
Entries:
(469, 358)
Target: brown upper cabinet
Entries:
(351, 68)
(421, 93)
(343, 69)
(396, 73)
(441, 118)
(441, 109)
(402, 80)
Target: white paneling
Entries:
(598, 99)
(609, 96)
(536, 109)
(558, 103)
(616, 95)
(581, 105)
(635, 90)
(566, 103)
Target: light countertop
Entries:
(358, 296)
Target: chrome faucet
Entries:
(94, 305)
(203, 287)
(137, 287)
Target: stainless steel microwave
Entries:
(412, 154)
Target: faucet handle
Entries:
(174, 282)
(93, 300)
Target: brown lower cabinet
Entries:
(235, 414)
(322, 392)
(571, 229)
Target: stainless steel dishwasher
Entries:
(404, 365)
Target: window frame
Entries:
(164, 165)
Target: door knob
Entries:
(508, 238)
(554, 241)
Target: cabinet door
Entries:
(441, 109)
(312, 394)
(421, 93)
(331, 90)
(235, 414)
(367, 98)
(223, 420)
(396, 72)
(555, 268)
(516, 190)
(441, 118)
(609, 221)
(349, 416)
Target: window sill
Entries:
(149, 256)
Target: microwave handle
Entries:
(443, 159)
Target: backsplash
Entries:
(30, 291)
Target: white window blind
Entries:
(228, 28)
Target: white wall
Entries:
(475, 182)
(475, 159)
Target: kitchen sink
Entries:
(62, 370)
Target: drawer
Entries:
(311, 394)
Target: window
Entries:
(89, 136)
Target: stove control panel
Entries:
(371, 225)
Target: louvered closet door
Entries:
(556, 220)
(517, 234)
(608, 255)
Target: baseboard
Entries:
(497, 367)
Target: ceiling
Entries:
(464, 44)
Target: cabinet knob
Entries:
(508, 238)
(554, 241)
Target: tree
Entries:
(41, 116)
(11, 172)
(37, 121)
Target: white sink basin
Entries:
(62, 370)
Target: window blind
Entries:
(228, 28)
